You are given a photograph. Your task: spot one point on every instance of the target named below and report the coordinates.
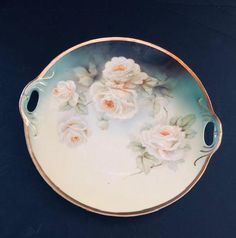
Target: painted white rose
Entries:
(123, 73)
(114, 103)
(65, 92)
(73, 131)
(164, 142)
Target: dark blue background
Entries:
(202, 33)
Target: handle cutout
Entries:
(33, 101)
(209, 133)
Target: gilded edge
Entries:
(134, 213)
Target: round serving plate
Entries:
(119, 126)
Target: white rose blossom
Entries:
(164, 142)
(65, 92)
(114, 103)
(124, 73)
(73, 131)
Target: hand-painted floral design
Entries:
(114, 103)
(66, 93)
(70, 97)
(115, 94)
(73, 131)
(123, 73)
(163, 143)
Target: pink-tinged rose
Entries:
(123, 73)
(114, 103)
(65, 92)
(164, 142)
(73, 131)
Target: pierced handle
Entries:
(29, 116)
(217, 134)
(210, 116)
(208, 150)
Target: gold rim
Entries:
(135, 213)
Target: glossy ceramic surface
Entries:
(119, 126)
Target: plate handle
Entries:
(208, 150)
(30, 116)
(217, 134)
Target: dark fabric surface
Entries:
(201, 33)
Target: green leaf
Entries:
(136, 146)
(174, 120)
(146, 162)
(103, 124)
(81, 108)
(148, 85)
(189, 134)
(146, 127)
(189, 131)
(82, 98)
(139, 162)
(163, 91)
(147, 89)
(151, 82)
(85, 75)
(149, 157)
(186, 122)
(92, 70)
(134, 143)
(149, 162)
(161, 77)
(65, 107)
(147, 165)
